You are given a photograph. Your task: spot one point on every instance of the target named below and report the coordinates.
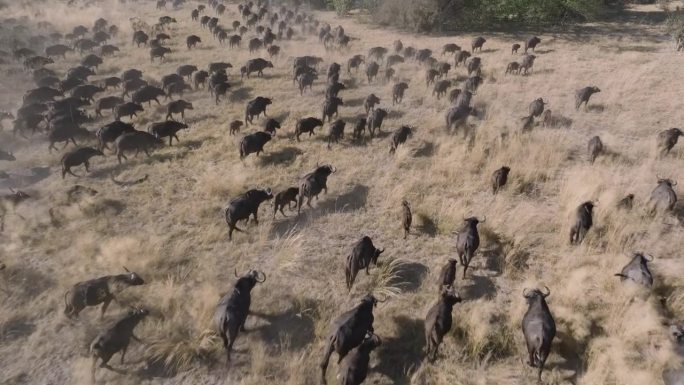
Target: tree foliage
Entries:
(440, 15)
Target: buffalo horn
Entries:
(263, 275)
(547, 291)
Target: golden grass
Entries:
(171, 230)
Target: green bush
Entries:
(342, 7)
(442, 15)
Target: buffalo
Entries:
(398, 92)
(177, 107)
(539, 328)
(354, 367)
(370, 102)
(583, 95)
(399, 137)
(438, 321)
(116, 339)
(594, 148)
(256, 107)
(254, 143)
(233, 308)
(349, 331)
(313, 183)
(108, 133)
(583, 222)
(135, 141)
(242, 206)
(447, 275)
(499, 179)
(98, 291)
(637, 270)
(532, 43)
(330, 107)
(167, 129)
(667, 139)
(77, 157)
(663, 197)
(467, 241)
(375, 120)
(283, 198)
(363, 254)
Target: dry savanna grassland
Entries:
(170, 229)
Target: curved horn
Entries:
(384, 299)
(125, 268)
(235, 272)
(381, 251)
(650, 256)
(526, 295)
(674, 182)
(547, 291)
(484, 219)
(263, 275)
(334, 169)
(658, 176)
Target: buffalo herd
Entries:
(57, 106)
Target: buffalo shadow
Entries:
(481, 287)
(427, 225)
(355, 102)
(351, 201)
(284, 156)
(596, 108)
(15, 329)
(425, 150)
(637, 48)
(410, 276)
(24, 282)
(395, 114)
(199, 118)
(240, 95)
(403, 353)
(293, 326)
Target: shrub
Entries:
(342, 7)
(440, 15)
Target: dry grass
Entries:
(170, 229)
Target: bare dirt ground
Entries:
(170, 229)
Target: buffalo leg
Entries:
(226, 345)
(92, 368)
(87, 166)
(281, 211)
(123, 353)
(105, 304)
(326, 358)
